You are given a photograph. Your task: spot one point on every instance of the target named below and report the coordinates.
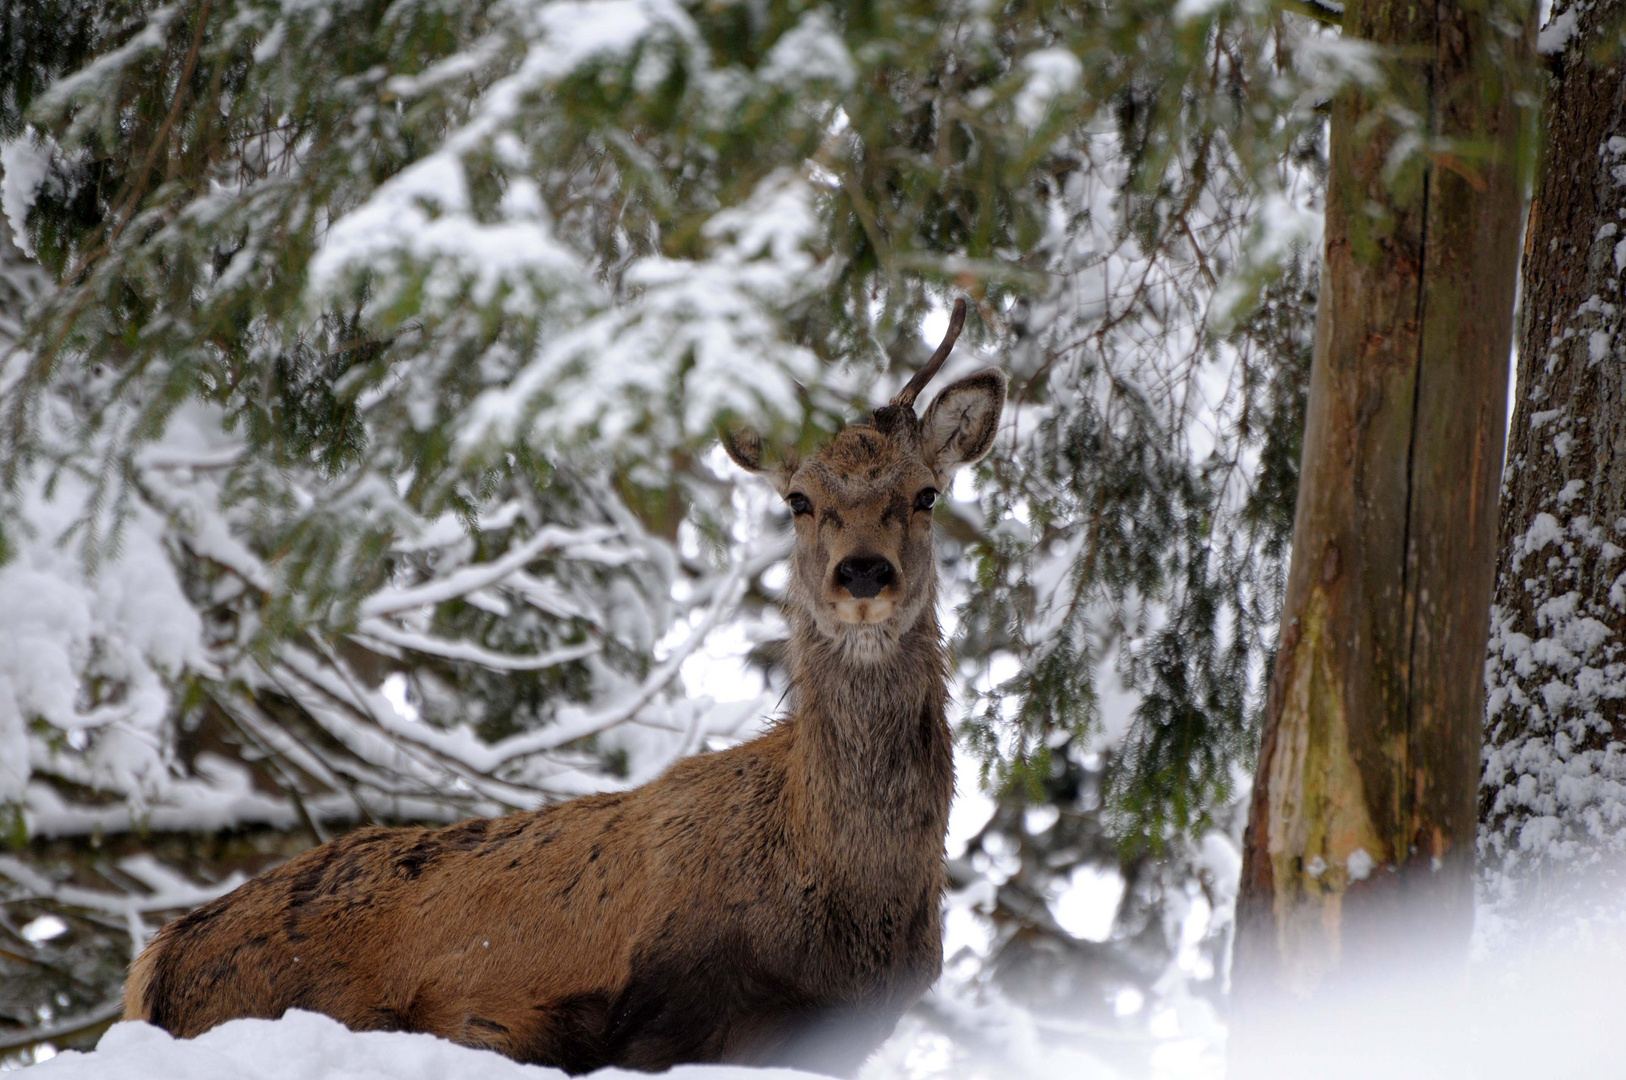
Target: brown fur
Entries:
(775, 903)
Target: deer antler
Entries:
(906, 396)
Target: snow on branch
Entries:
(549, 538)
(573, 724)
(374, 631)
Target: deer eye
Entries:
(926, 499)
(798, 503)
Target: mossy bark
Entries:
(1364, 800)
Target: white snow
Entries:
(44, 928)
(1552, 1001)
(1557, 787)
(1088, 906)
(576, 32)
(1196, 9)
(715, 313)
(23, 168)
(810, 51)
(1050, 73)
(1556, 34)
(1360, 864)
(308, 1046)
(130, 624)
(1597, 346)
(423, 216)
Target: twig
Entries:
(108, 1010)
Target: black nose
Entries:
(864, 575)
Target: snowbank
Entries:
(308, 1046)
(1550, 1011)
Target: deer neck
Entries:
(872, 772)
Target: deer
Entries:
(774, 903)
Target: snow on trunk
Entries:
(1553, 794)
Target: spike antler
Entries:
(906, 396)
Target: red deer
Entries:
(774, 903)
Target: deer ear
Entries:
(744, 445)
(959, 427)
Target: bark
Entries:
(1553, 801)
(1364, 797)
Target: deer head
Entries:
(863, 569)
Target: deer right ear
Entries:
(744, 445)
(959, 427)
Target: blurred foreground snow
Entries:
(1546, 1012)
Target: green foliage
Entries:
(352, 298)
(1027, 154)
(13, 827)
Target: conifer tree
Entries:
(357, 445)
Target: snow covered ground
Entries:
(1551, 1012)
(307, 1046)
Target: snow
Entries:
(423, 216)
(714, 313)
(1544, 1007)
(90, 82)
(44, 928)
(972, 806)
(1556, 35)
(1360, 864)
(307, 1046)
(130, 623)
(577, 32)
(810, 51)
(1088, 907)
(1196, 9)
(1597, 346)
(23, 168)
(1050, 74)
(1558, 787)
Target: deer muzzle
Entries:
(865, 587)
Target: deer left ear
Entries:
(745, 449)
(959, 427)
(744, 446)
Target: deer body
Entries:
(774, 903)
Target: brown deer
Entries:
(774, 903)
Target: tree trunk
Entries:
(1553, 800)
(1364, 797)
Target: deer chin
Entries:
(861, 612)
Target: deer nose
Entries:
(864, 575)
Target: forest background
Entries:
(362, 368)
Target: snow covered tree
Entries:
(357, 444)
(1360, 836)
(1553, 804)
